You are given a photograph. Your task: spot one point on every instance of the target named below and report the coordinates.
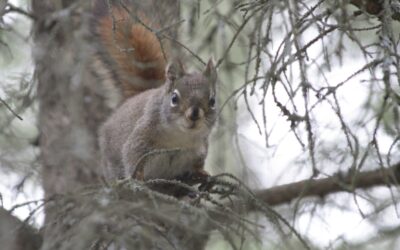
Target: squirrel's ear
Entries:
(174, 70)
(211, 72)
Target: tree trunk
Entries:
(72, 105)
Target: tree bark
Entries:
(350, 182)
(72, 106)
(321, 187)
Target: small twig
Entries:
(11, 110)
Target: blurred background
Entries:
(308, 89)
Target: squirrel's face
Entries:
(190, 102)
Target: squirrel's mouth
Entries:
(193, 125)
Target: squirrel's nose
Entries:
(194, 113)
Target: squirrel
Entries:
(161, 129)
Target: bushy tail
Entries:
(129, 53)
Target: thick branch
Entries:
(374, 7)
(16, 235)
(322, 187)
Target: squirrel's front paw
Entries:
(207, 183)
(200, 174)
(197, 176)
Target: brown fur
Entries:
(150, 136)
(133, 48)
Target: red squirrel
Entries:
(161, 129)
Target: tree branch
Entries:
(375, 8)
(321, 187)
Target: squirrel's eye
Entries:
(174, 99)
(211, 102)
